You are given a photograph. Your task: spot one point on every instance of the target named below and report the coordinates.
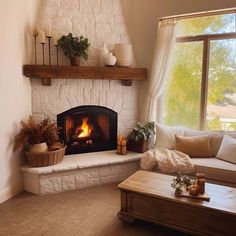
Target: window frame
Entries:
(205, 39)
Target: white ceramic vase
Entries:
(123, 53)
(39, 147)
(109, 59)
(102, 54)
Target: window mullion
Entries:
(204, 83)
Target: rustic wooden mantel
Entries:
(46, 73)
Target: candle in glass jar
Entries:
(121, 145)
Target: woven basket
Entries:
(45, 158)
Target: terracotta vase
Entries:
(39, 147)
(75, 61)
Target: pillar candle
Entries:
(201, 184)
(55, 40)
(200, 176)
(42, 37)
(49, 31)
(193, 190)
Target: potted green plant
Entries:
(74, 48)
(141, 137)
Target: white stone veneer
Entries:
(101, 21)
(80, 171)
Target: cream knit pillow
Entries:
(227, 151)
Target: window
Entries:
(201, 90)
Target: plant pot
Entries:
(39, 148)
(75, 61)
(140, 146)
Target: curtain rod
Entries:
(199, 14)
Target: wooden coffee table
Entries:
(148, 196)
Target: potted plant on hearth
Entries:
(141, 137)
(75, 48)
(40, 141)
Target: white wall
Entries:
(142, 16)
(16, 19)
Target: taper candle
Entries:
(42, 37)
(55, 41)
(49, 49)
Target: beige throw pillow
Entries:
(197, 146)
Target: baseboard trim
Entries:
(10, 191)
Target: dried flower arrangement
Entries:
(180, 183)
(34, 133)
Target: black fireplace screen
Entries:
(88, 129)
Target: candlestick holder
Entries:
(35, 48)
(43, 53)
(57, 54)
(49, 50)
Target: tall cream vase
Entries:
(123, 54)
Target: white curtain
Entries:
(163, 54)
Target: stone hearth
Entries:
(80, 171)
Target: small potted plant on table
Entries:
(40, 141)
(141, 137)
(75, 48)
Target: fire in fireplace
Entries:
(88, 129)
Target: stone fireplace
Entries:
(102, 21)
(88, 129)
(70, 101)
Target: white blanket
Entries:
(167, 161)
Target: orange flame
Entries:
(85, 128)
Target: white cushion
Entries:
(227, 151)
(166, 136)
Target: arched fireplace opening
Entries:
(88, 129)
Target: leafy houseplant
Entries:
(74, 47)
(33, 133)
(141, 136)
